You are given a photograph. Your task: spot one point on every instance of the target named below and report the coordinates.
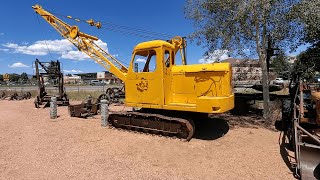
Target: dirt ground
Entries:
(32, 146)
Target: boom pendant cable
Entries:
(124, 30)
(49, 52)
(45, 41)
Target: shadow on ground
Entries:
(217, 126)
(211, 128)
(285, 148)
(247, 121)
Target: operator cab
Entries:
(146, 53)
(154, 80)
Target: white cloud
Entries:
(72, 71)
(102, 44)
(63, 48)
(18, 65)
(40, 69)
(74, 55)
(79, 55)
(217, 55)
(141, 60)
(5, 50)
(40, 48)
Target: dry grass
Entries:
(81, 95)
(33, 93)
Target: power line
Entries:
(125, 30)
(117, 28)
(126, 33)
(138, 29)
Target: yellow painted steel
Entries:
(197, 88)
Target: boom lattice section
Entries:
(85, 43)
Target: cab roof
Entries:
(153, 44)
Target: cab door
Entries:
(144, 82)
(168, 62)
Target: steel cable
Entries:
(45, 41)
(124, 30)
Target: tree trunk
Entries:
(261, 43)
(265, 85)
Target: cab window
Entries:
(145, 61)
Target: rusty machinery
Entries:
(52, 71)
(303, 128)
(15, 95)
(113, 94)
(86, 109)
(20, 96)
(2, 95)
(91, 106)
(169, 96)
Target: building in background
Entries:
(73, 79)
(245, 71)
(105, 76)
(87, 77)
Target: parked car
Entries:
(96, 83)
(11, 83)
(278, 81)
(316, 79)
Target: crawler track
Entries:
(153, 124)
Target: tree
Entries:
(14, 77)
(239, 25)
(24, 77)
(280, 65)
(308, 62)
(307, 12)
(1, 77)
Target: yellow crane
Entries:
(170, 96)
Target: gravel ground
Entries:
(32, 146)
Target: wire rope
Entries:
(45, 41)
(122, 29)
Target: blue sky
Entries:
(23, 37)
